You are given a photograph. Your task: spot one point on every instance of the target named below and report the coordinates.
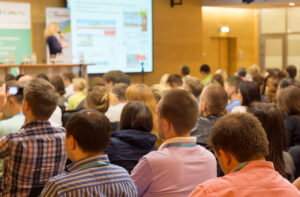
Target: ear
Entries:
(25, 106)
(232, 90)
(73, 142)
(166, 124)
(11, 101)
(203, 106)
(225, 156)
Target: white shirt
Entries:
(55, 119)
(69, 91)
(114, 112)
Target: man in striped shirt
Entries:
(36, 152)
(90, 174)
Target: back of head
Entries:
(194, 85)
(222, 73)
(216, 98)
(42, 76)
(288, 101)
(242, 135)
(136, 116)
(9, 77)
(254, 70)
(292, 71)
(119, 90)
(157, 91)
(111, 76)
(98, 98)
(91, 129)
(205, 69)
(41, 97)
(250, 92)
(18, 96)
(273, 125)
(123, 78)
(217, 79)
(96, 81)
(242, 72)
(184, 70)
(79, 84)
(69, 76)
(234, 82)
(174, 79)
(180, 108)
(58, 83)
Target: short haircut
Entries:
(286, 82)
(41, 97)
(70, 76)
(119, 90)
(292, 71)
(98, 98)
(96, 81)
(195, 85)
(111, 76)
(123, 78)
(180, 108)
(241, 134)
(205, 69)
(9, 77)
(216, 98)
(288, 101)
(174, 78)
(136, 116)
(234, 82)
(58, 83)
(42, 76)
(185, 70)
(242, 71)
(250, 92)
(91, 130)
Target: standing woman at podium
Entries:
(55, 46)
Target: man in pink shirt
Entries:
(240, 144)
(179, 164)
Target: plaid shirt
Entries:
(32, 156)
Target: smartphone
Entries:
(12, 90)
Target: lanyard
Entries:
(91, 165)
(240, 166)
(181, 145)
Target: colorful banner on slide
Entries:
(15, 35)
(61, 16)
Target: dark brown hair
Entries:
(195, 85)
(273, 125)
(234, 82)
(180, 108)
(111, 76)
(216, 98)
(288, 101)
(98, 98)
(241, 134)
(217, 78)
(292, 71)
(58, 83)
(119, 90)
(174, 79)
(250, 92)
(91, 129)
(136, 116)
(70, 76)
(41, 98)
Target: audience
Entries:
(110, 78)
(222, 73)
(194, 86)
(98, 99)
(205, 73)
(163, 81)
(184, 71)
(242, 72)
(248, 93)
(90, 174)
(272, 123)
(36, 152)
(232, 85)
(217, 79)
(134, 139)
(213, 101)
(291, 71)
(68, 82)
(240, 144)
(175, 81)
(80, 88)
(157, 91)
(179, 164)
(59, 86)
(9, 77)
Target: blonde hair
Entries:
(222, 73)
(98, 98)
(50, 30)
(253, 70)
(79, 84)
(142, 93)
(164, 79)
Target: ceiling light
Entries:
(292, 4)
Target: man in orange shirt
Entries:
(240, 144)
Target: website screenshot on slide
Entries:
(114, 35)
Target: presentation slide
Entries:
(112, 34)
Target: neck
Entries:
(16, 110)
(187, 134)
(78, 155)
(31, 118)
(237, 164)
(234, 97)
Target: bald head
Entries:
(214, 99)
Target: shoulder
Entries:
(240, 109)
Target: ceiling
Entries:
(255, 4)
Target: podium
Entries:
(52, 69)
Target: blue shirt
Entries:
(92, 176)
(232, 105)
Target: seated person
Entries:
(80, 93)
(135, 138)
(205, 73)
(240, 144)
(175, 81)
(69, 86)
(193, 85)
(213, 101)
(90, 174)
(179, 163)
(36, 152)
(232, 86)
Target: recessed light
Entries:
(292, 4)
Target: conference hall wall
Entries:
(182, 35)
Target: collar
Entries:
(254, 165)
(40, 123)
(178, 140)
(87, 160)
